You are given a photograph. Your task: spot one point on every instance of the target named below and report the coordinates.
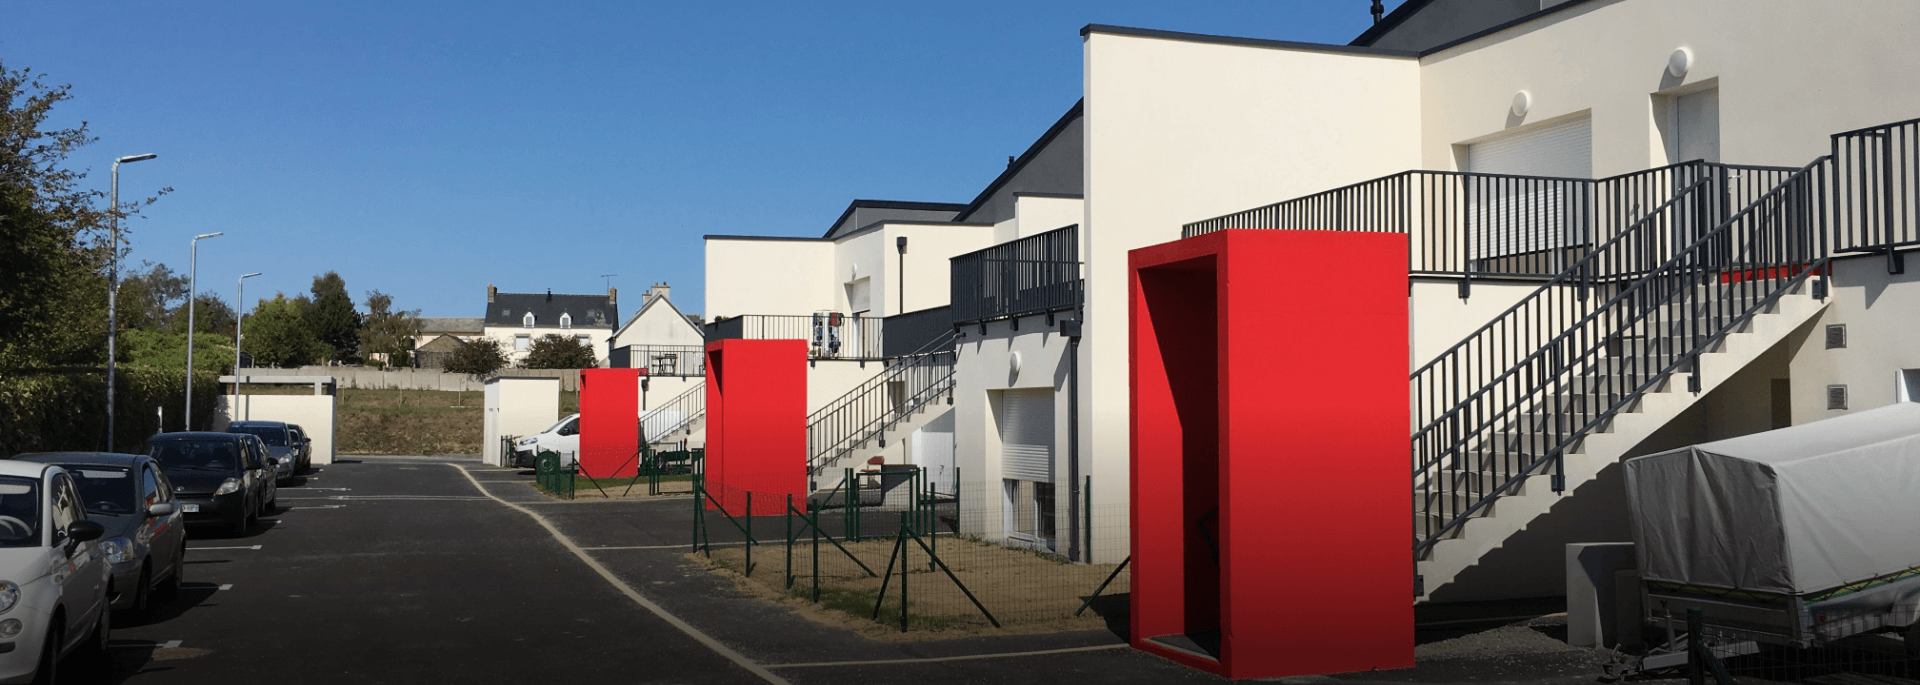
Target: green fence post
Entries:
(904, 531)
(1696, 648)
(749, 532)
(696, 517)
(789, 542)
(816, 555)
(956, 502)
(1088, 516)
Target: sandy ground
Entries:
(586, 491)
(1025, 592)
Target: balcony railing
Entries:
(829, 335)
(667, 360)
(1038, 274)
(1876, 183)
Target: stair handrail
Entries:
(832, 430)
(1682, 268)
(691, 404)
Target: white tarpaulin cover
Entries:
(1796, 510)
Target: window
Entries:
(584, 341)
(150, 491)
(19, 511)
(66, 507)
(527, 321)
(572, 428)
(566, 322)
(523, 342)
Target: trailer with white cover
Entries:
(1794, 537)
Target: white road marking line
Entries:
(968, 657)
(171, 644)
(228, 586)
(715, 645)
(196, 549)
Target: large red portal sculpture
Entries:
(1271, 520)
(757, 425)
(609, 422)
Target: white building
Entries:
(1511, 141)
(516, 320)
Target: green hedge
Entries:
(63, 409)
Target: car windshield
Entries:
(268, 434)
(556, 427)
(202, 455)
(104, 489)
(19, 512)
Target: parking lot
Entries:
(409, 570)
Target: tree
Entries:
(477, 358)
(554, 351)
(211, 316)
(276, 334)
(149, 297)
(389, 332)
(332, 317)
(52, 239)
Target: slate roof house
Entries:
(518, 319)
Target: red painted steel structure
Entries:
(757, 425)
(609, 422)
(1270, 438)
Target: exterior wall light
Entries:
(1679, 62)
(1013, 364)
(1522, 101)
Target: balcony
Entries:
(829, 335)
(1038, 274)
(662, 360)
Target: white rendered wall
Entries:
(1035, 214)
(982, 367)
(661, 324)
(926, 268)
(828, 379)
(1882, 316)
(1440, 319)
(314, 413)
(770, 277)
(1789, 73)
(516, 407)
(507, 337)
(1181, 131)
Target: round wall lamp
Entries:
(1522, 101)
(856, 272)
(1679, 62)
(1013, 363)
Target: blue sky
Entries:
(430, 149)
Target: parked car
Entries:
(281, 446)
(306, 448)
(145, 540)
(54, 580)
(562, 438)
(217, 477)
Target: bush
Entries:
(477, 358)
(64, 409)
(554, 351)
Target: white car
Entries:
(54, 580)
(562, 438)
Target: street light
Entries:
(239, 317)
(193, 289)
(113, 281)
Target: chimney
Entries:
(657, 292)
(613, 295)
(491, 292)
(1378, 10)
(549, 294)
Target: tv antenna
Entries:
(609, 278)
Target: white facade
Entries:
(860, 272)
(517, 340)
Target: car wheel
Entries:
(47, 672)
(102, 634)
(238, 526)
(142, 592)
(172, 587)
(273, 505)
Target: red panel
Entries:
(609, 422)
(757, 425)
(1285, 389)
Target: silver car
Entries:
(145, 539)
(53, 577)
(283, 451)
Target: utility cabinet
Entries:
(1271, 524)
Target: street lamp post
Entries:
(239, 317)
(193, 290)
(113, 281)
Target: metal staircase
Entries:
(910, 386)
(667, 421)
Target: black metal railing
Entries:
(1620, 324)
(1469, 224)
(911, 332)
(866, 412)
(1038, 274)
(1877, 183)
(829, 335)
(663, 420)
(667, 360)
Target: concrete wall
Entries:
(774, 276)
(1441, 319)
(981, 370)
(828, 379)
(314, 413)
(417, 379)
(1882, 315)
(1183, 130)
(516, 407)
(1790, 73)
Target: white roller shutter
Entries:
(1026, 435)
(1522, 218)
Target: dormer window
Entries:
(566, 322)
(527, 321)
